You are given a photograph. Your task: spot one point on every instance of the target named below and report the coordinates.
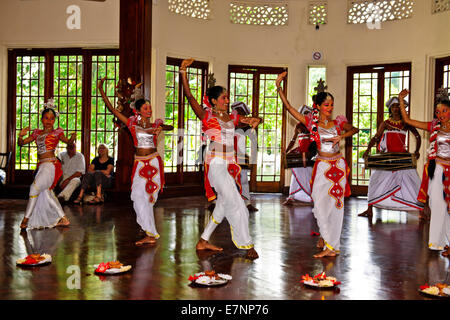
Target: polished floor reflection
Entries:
(385, 259)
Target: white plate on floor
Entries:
(321, 284)
(47, 260)
(113, 270)
(207, 281)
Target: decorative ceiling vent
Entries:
(440, 6)
(271, 13)
(364, 11)
(318, 12)
(198, 9)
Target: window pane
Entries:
(315, 74)
(102, 126)
(29, 101)
(65, 94)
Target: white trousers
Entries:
(229, 205)
(439, 234)
(141, 200)
(67, 192)
(328, 215)
(394, 190)
(43, 209)
(300, 188)
(245, 185)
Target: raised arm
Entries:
(297, 115)
(21, 141)
(108, 104)
(71, 140)
(198, 109)
(166, 127)
(418, 141)
(414, 123)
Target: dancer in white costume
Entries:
(242, 132)
(436, 173)
(394, 190)
(148, 172)
(43, 209)
(221, 169)
(329, 178)
(300, 187)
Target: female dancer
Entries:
(219, 127)
(436, 173)
(395, 190)
(43, 208)
(148, 173)
(330, 169)
(300, 188)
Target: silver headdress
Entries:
(50, 104)
(136, 95)
(442, 94)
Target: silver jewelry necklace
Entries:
(219, 112)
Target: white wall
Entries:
(419, 40)
(42, 23)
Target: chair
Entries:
(5, 158)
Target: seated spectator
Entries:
(73, 167)
(98, 176)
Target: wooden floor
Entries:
(387, 259)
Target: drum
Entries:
(391, 161)
(295, 160)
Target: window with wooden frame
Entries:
(442, 74)
(69, 76)
(182, 145)
(256, 87)
(368, 89)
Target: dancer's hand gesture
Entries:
(24, 131)
(280, 78)
(335, 140)
(186, 63)
(403, 94)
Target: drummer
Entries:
(396, 189)
(300, 187)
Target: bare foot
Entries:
(63, 222)
(252, 254)
(24, 223)
(205, 245)
(446, 252)
(288, 202)
(325, 253)
(146, 240)
(368, 213)
(321, 243)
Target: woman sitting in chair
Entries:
(98, 176)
